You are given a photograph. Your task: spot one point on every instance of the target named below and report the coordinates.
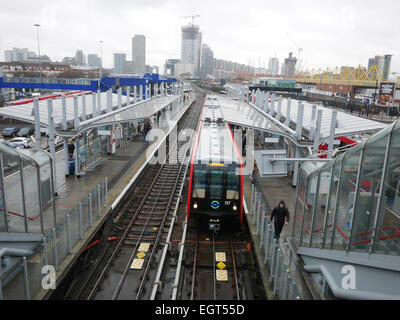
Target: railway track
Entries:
(215, 275)
(126, 270)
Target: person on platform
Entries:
(71, 148)
(280, 216)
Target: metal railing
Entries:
(284, 286)
(31, 273)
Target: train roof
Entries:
(216, 144)
(212, 113)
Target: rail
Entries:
(165, 173)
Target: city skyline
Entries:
(355, 48)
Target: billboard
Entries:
(386, 94)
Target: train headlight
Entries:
(195, 206)
(234, 207)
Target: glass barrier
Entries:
(320, 208)
(74, 226)
(61, 241)
(346, 196)
(13, 287)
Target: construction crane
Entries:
(195, 16)
(298, 47)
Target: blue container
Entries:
(71, 162)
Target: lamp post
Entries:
(40, 61)
(101, 58)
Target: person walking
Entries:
(71, 148)
(279, 215)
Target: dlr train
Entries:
(216, 171)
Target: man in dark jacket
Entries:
(279, 215)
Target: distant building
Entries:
(289, 66)
(17, 54)
(139, 53)
(33, 68)
(273, 66)
(169, 67)
(207, 61)
(119, 63)
(221, 74)
(94, 60)
(155, 69)
(70, 60)
(184, 68)
(377, 61)
(191, 47)
(80, 58)
(386, 66)
(129, 68)
(147, 69)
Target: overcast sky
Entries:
(332, 32)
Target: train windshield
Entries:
(216, 184)
(232, 190)
(199, 189)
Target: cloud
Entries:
(331, 32)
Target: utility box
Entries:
(269, 164)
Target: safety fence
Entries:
(274, 258)
(36, 271)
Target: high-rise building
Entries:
(139, 53)
(386, 66)
(273, 66)
(119, 63)
(191, 47)
(207, 61)
(377, 61)
(94, 60)
(289, 65)
(80, 58)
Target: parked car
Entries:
(26, 142)
(13, 145)
(10, 132)
(25, 132)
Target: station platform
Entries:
(275, 189)
(121, 169)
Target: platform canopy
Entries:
(347, 124)
(243, 114)
(249, 115)
(142, 111)
(24, 112)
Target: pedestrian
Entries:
(71, 148)
(254, 174)
(279, 215)
(158, 117)
(147, 128)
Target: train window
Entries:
(232, 188)
(216, 184)
(199, 180)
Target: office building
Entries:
(207, 61)
(273, 66)
(191, 47)
(139, 53)
(94, 60)
(119, 63)
(289, 66)
(80, 58)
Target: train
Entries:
(215, 192)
